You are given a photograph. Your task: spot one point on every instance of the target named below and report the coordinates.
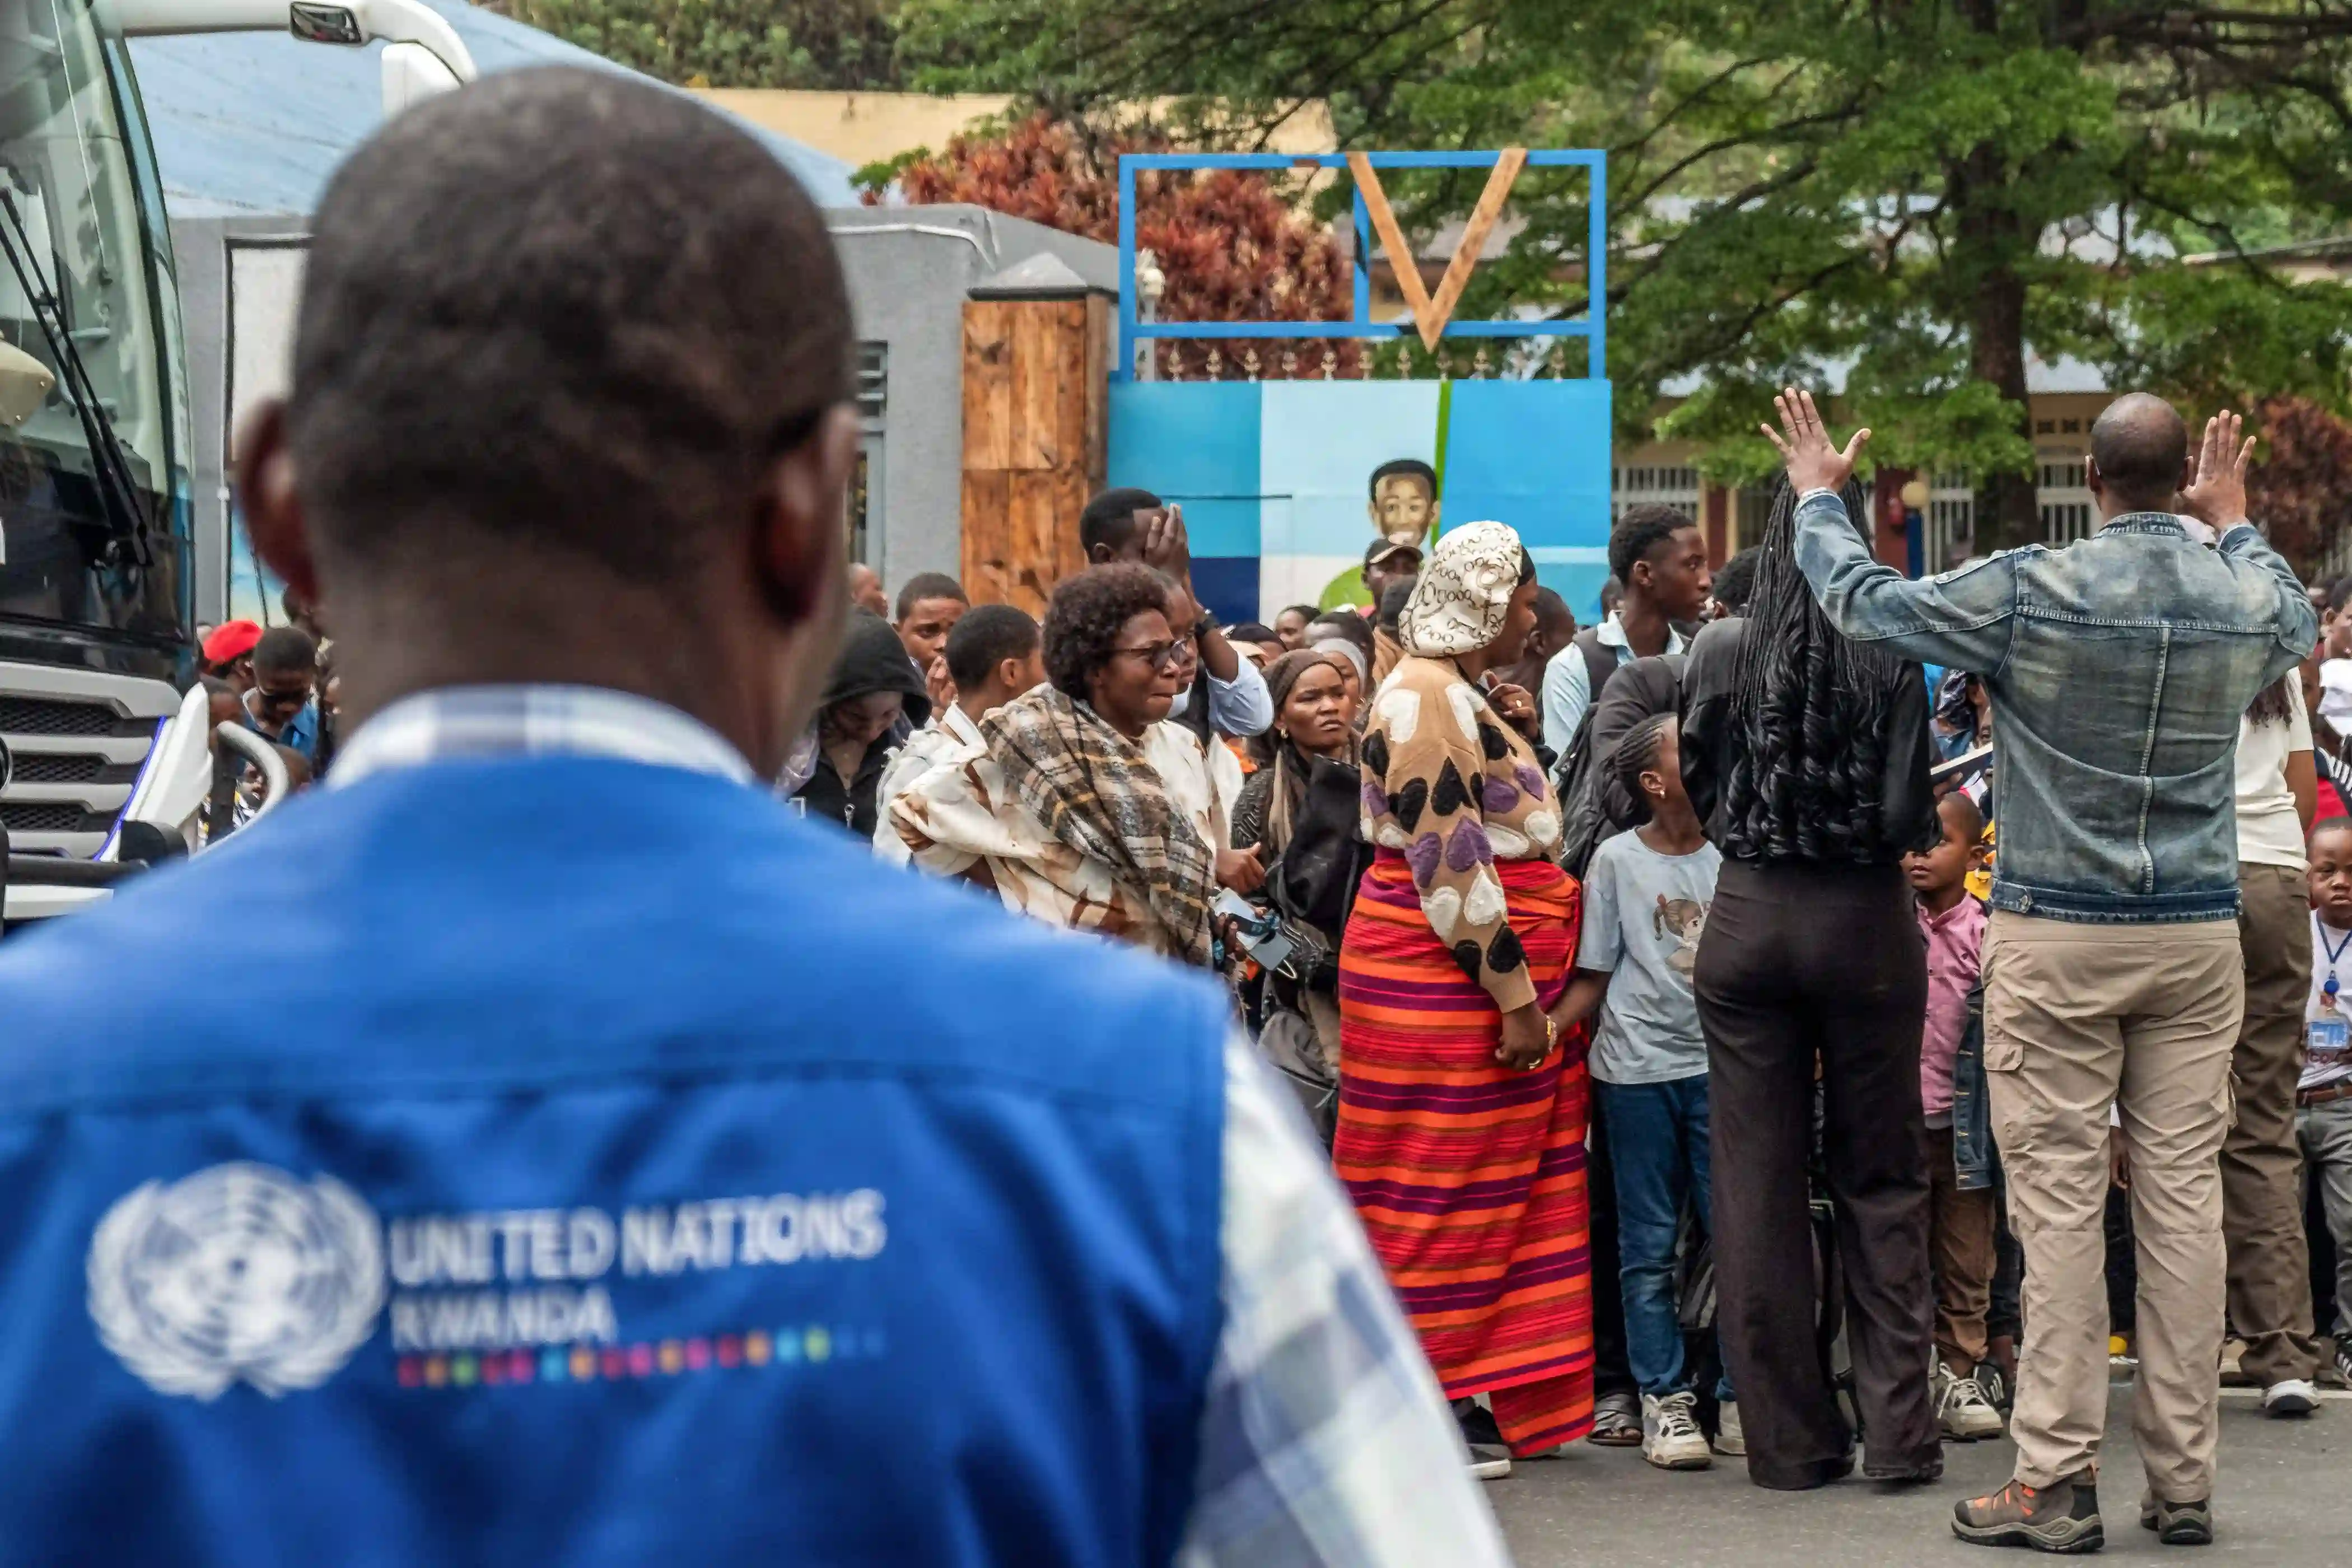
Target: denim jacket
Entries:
(2118, 669)
(1972, 1110)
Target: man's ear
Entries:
(2093, 480)
(798, 553)
(269, 502)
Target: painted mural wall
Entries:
(1275, 477)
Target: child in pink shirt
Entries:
(1961, 1214)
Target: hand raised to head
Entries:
(1814, 462)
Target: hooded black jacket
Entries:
(872, 659)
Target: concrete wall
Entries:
(909, 270)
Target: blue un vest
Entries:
(622, 1172)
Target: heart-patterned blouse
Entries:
(1452, 788)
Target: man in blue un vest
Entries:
(623, 1172)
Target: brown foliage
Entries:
(2300, 487)
(1231, 249)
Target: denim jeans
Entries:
(1658, 1143)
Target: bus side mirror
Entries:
(25, 384)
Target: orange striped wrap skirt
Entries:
(1469, 1176)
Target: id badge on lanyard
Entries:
(2328, 1039)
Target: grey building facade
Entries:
(909, 268)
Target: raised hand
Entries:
(1815, 462)
(1166, 546)
(2216, 492)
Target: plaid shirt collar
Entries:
(534, 721)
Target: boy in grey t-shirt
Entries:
(1645, 898)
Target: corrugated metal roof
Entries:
(254, 123)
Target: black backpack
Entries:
(1581, 825)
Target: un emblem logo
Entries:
(239, 1271)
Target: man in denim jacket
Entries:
(2118, 669)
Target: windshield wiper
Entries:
(128, 513)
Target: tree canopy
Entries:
(841, 44)
(1230, 247)
(1909, 196)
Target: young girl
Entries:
(1645, 898)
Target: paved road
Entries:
(2281, 1505)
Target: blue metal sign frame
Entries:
(1593, 328)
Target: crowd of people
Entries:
(1794, 1019)
(1454, 858)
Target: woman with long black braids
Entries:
(1806, 754)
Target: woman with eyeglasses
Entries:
(1462, 1108)
(1076, 823)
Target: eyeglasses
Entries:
(1161, 656)
(264, 698)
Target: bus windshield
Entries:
(93, 531)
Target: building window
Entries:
(2062, 494)
(862, 512)
(1751, 513)
(1950, 525)
(873, 380)
(1654, 485)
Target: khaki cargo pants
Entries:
(2078, 1017)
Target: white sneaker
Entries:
(2295, 1396)
(1961, 1407)
(1729, 1436)
(1670, 1436)
(1487, 1464)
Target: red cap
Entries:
(231, 640)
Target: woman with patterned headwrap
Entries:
(1462, 1116)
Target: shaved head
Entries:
(570, 402)
(562, 311)
(2140, 447)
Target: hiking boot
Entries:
(2061, 1517)
(1729, 1436)
(1670, 1436)
(1961, 1408)
(1617, 1421)
(2178, 1524)
(2291, 1397)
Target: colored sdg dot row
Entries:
(814, 1345)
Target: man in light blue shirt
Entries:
(1661, 557)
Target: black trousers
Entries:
(1799, 960)
(1612, 1372)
